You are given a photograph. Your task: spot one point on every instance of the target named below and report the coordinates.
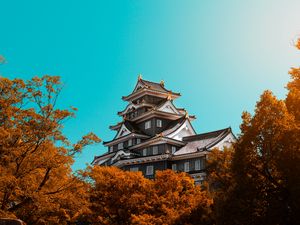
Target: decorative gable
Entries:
(184, 130)
(169, 108)
(122, 131)
(138, 85)
(226, 142)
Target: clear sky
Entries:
(220, 55)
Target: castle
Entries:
(156, 135)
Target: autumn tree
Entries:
(36, 181)
(263, 172)
(123, 197)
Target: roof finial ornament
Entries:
(169, 96)
(186, 114)
(140, 77)
(162, 83)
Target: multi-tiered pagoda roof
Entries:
(154, 134)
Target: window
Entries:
(155, 150)
(148, 124)
(120, 146)
(144, 152)
(186, 167)
(174, 167)
(110, 148)
(134, 169)
(197, 164)
(138, 141)
(173, 149)
(158, 123)
(149, 170)
(129, 142)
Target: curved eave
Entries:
(102, 157)
(141, 160)
(146, 91)
(192, 117)
(178, 127)
(116, 127)
(153, 113)
(158, 139)
(121, 113)
(220, 138)
(124, 138)
(188, 155)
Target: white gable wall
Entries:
(139, 84)
(226, 142)
(122, 131)
(185, 130)
(169, 108)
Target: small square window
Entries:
(197, 164)
(173, 149)
(120, 146)
(148, 124)
(134, 169)
(149, 170)
(144, 152)
(186, 167)
(158, 123)
(174, 167)
(138, 141)
(155, 150)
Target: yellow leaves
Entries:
(122, 197)
(36, 179)
(88, 139)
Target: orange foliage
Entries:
(36, 180)
(122, 197)
(258, 183)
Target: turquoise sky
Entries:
(220, 55)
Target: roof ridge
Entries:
(151, 82)
(210, 132)
(207, 134)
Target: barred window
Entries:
(144, 152)
(158, 123)
(174, 167)
(155, 150)
(120, 146)
(148, 124)
(149, 170)
(173, 149)
(186, 167)
(134, 169)
(129, 142)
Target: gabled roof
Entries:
(207, 135)
(134, 106)
(173, 126)
(154, 86)
(151, 88)
(133, 128)
(124, 138)
(205, 141)
(156, 113)
(158, 139)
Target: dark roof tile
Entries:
(208, 135)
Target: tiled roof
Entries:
(133, 128)
(208, 135)
(174, 125)
(154, 86)
(202, 141)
